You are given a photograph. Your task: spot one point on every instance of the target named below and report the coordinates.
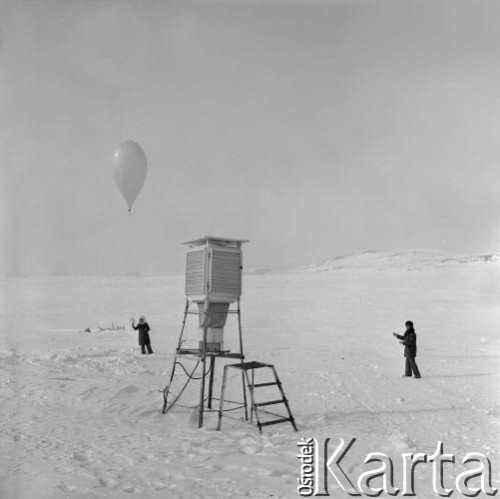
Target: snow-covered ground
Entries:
(81, 412)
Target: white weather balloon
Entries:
(130, 167)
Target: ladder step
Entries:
(266, 384)
(245, 366)
(275, 421)
(270, 402)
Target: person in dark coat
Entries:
(409, 340)
(144, 340)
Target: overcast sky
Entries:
(311, 128)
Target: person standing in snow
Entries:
(144, 340)
(409, 340)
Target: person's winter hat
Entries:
(409, 323)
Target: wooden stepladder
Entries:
(248, 370)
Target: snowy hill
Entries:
(260, 270)
(403, 259)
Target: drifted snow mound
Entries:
(405, 259)
(91, 360)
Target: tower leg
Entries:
(172, 373)
(202, 393)
(204, 362)
(250, 389)
(211, 381)
(222, 396)
(186, 310)
(243, 382)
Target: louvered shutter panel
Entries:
(226, 272)
(195, 271)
